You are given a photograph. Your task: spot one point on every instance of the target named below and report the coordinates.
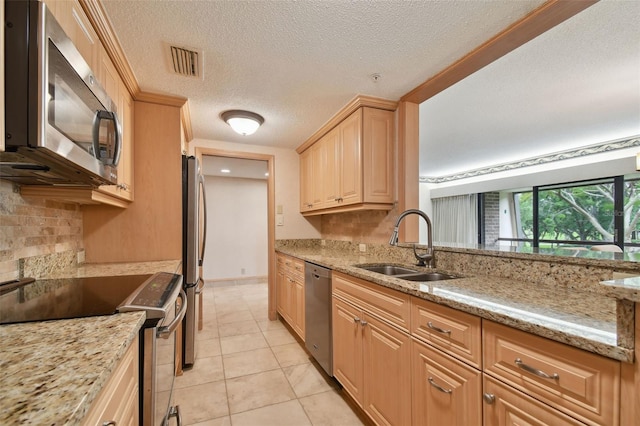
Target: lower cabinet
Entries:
(505, 406)
(371, 359)
(117, 402)
(290, 292)
(442, 367)
(445, 391)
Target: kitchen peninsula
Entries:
(560, 314)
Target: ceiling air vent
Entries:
(185, 61)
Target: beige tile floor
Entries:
(252, 371)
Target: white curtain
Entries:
(455, 219)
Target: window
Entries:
(586, 213)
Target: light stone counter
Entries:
(51, 371)
(575, 316)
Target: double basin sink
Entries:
(407, 274)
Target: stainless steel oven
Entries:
(160, 295)
(61, 126)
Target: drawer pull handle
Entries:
(438, 329)
(363, 323)
(535, 371)
(437, 386)
(356, 320)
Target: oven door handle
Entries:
(165, 332)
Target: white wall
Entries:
(236, 228)
(287, 186)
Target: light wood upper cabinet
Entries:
(352, 165)
(76, 25)
(78, 28)
(124, 188)
(306, 181)
(349, 162)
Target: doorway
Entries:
(233, 245)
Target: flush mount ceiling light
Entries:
(242, 122)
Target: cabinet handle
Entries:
(437, 386)
(438, 329)
(535, 371)
(489, 398)
(109, 423)
(363, 322)
(356, 320)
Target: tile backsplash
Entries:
(370, 226)
(36, 233)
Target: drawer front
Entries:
(457, 333)
(389, 305)
(297, 270)
(579, 383)
(512, 407)
(445, 391)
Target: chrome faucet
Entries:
(429, 256)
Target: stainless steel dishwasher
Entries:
(317, 314)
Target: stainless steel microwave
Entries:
(61, 126)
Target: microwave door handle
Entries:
(117, 149)
(106, 115)
(204, 212)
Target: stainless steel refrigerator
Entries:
(194, 231)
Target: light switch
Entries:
(280, 219)
(279, 209)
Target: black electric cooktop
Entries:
(48, 299)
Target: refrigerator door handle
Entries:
(204, 227)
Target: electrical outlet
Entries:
(362, 247)
(323, 243)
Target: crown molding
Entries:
(541, 160)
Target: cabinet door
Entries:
(125, 166)
(347, 348)
(378, 149)
(108, 76)
(281, 286)
(306, 181)
(445, 391)
(76, 25)
(387, 373)
(351, 159)
(318, 160)
(298, 307)
(330, 176)
(505, 406)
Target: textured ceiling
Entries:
(298, 62)
(577, 84)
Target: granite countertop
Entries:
(52, 371)
(586, 320)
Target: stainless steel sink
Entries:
(407, 273)
(388, 269)
(428, 276)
